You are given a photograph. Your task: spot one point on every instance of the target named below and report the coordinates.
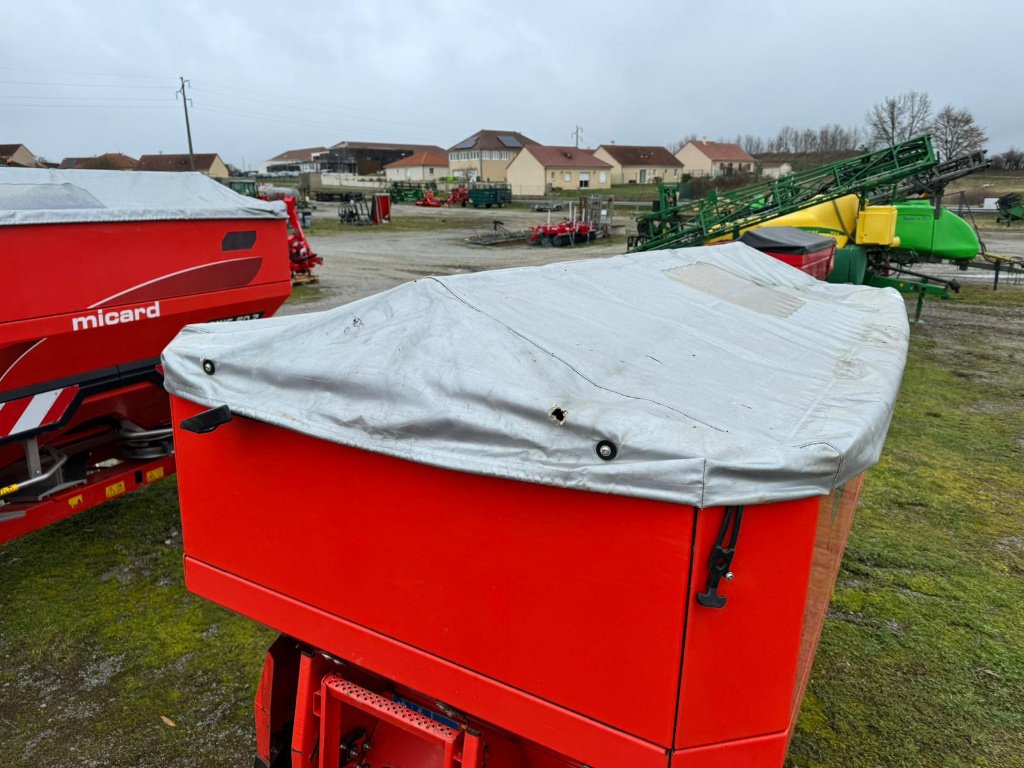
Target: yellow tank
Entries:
(841, 219)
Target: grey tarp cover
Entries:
(42, 196)
(787, 240)
(722, 375)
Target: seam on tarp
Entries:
(703, 480)
(569, 365)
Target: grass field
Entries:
(108, 661)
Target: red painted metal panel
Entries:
(577, 598)
(817, 264)
(739, 667)
(515, 711)
(142, 280)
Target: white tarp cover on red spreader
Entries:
(44, 196)
(719, 375)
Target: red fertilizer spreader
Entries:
(587, 514)
(101, 269)
(810, 252)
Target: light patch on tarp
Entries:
(54, 197)
(735, 289)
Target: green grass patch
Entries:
(100, 641)
(922, 660)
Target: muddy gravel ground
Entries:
(366, 260)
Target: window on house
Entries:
(552, 175)
(567, 176)
(431, 171)
(584, 180)
(602, 177)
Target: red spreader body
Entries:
(100, 271)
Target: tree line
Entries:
(894, 120)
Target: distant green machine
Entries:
(716, 216)
(883, 208)
(1011, 209)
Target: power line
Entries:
(87, 106)
(80, 72)
(84, 98)
(329, 113)
(84, 85)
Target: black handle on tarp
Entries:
(207, 421)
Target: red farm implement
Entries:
(565, 232)
(503, 554)
(130, 259)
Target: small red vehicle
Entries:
(101, 270)
(587, 514)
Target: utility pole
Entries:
(577, 133)
(188, 129)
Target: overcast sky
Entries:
(83, 78)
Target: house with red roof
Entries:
(715, 158)
(206, 163)
(536, 170)
(17, 156)
(426, 165)
(110, 161)
(640, 165)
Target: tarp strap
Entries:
(720, 560)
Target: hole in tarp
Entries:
(557, 415)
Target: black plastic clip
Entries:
(207, 421)
(720, 559)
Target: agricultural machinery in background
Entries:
(1011, 208)
(357, 208)
(588, 219)
(883, 208)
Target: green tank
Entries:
(945, 237)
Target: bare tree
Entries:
(899, 118)
(1010, 160)
(955, 133)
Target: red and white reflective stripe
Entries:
(30, 413)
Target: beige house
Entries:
(17, 155)
(774, 169)
(536, 170)
(715, 158)
(640, 165)
(486, 155)
(209, 164)
(423, 166)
